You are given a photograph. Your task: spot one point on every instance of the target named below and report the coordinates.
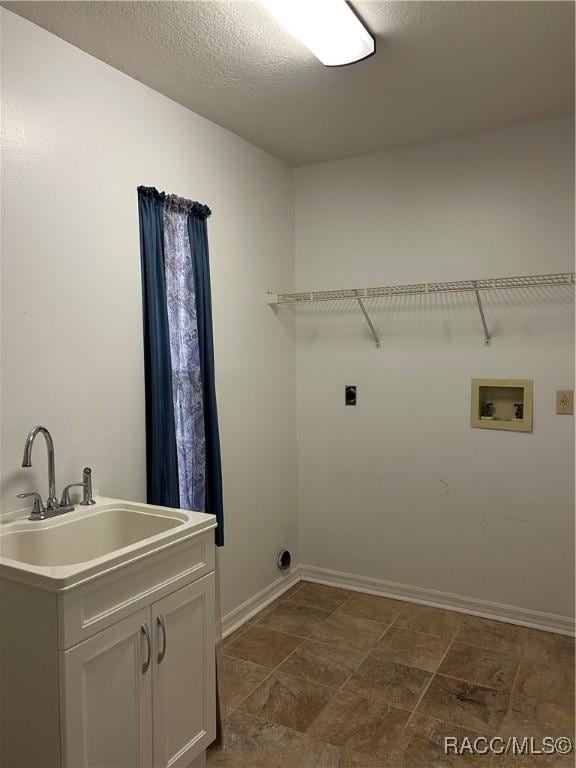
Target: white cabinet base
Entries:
(139, 693)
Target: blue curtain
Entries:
(198, 233)
(161, 456)
(183, 445)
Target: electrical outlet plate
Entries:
(565, 402)
(350, 394)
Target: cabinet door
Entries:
(184, 676)
(106, 705)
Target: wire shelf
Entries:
(454, 286)
(414, 289)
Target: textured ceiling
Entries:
(441, 69)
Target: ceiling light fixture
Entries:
(329, 28)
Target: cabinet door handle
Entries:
(162, 625)
(146, 632)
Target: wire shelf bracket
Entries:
(456, 286)
(370, 323)
(482, 317)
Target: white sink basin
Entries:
(59, 552)
(84, 538)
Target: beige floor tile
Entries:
(234, 635)
(288, 700)
(480, 665)
(326, 664)
(319, 754)
(360, 724)
(240, 678)
(352, 759)
(423, 753)
(464, 704)
(257, 618)
(549, 681)
(423, 745)
(294, 618)
(412, 648)
(430, 621)
(372, 607)
(253, 743)
(273, 605)
(262, 646)
(533, 761)
(393, 683)
(546, 646)
(320, 596)
(351, 632)
(494, 635)
(528, 716)
(291, 592)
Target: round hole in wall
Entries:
(284, 560)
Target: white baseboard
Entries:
(550, 622)
(256, 603)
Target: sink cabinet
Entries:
(108, 724)
(184, 674)
(118, 672)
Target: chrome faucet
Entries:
(53, 506)
(52, 500)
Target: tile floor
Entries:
(326, 678)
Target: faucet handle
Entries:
(65, 499)
(87, 478)
(38, 509)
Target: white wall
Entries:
(400, 488)
(78, 138)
